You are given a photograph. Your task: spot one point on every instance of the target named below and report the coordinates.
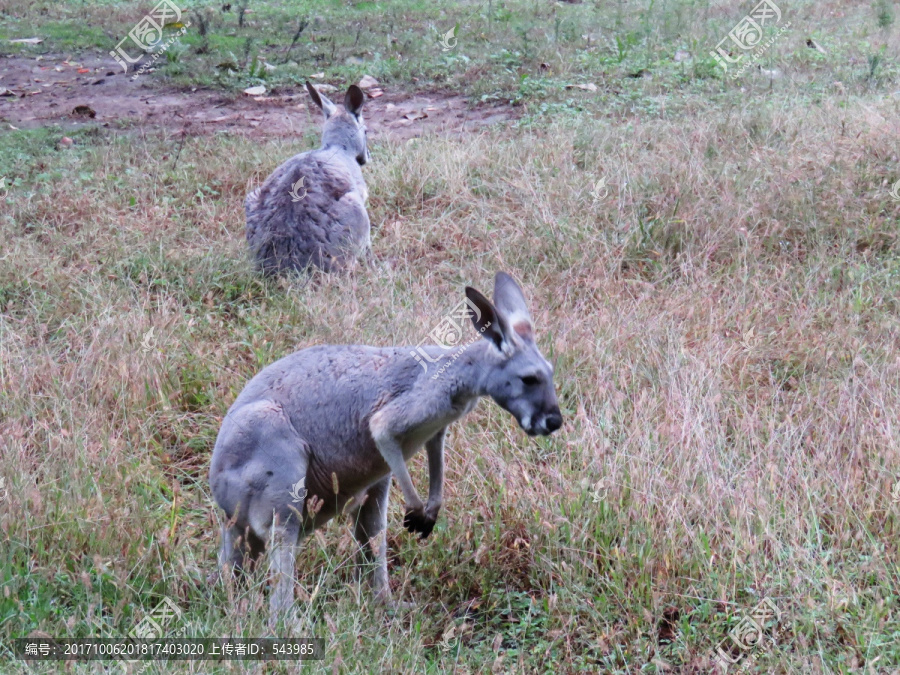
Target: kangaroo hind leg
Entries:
(370, 530)
(240, 550)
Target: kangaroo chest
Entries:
(418, 436)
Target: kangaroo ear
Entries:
(321, 100)
(511, 304)
(354, 100)
(487, 320)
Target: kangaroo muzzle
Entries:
(543, 424)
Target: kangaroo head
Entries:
(517, 377)
(345, 127)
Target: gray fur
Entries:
(329, 226)
(353, 416)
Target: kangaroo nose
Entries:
(553, 422)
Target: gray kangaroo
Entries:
(341, 420)
(311, 211)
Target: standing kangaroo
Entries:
(311, 211)
(334, 423)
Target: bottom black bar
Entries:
(170, 649)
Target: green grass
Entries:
(723, 324)
(518, 52)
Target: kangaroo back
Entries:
(310, 212)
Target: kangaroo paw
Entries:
(416, 520)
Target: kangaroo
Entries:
(320, 433)
(311, 211)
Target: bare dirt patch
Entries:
(95, 91)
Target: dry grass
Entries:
(725, 328)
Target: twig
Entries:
(180, 146)
(304, 22)
(241, 10)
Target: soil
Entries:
(51, 90)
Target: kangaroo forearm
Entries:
(393, 454)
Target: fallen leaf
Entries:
(84, 70)
(416, 115)
(65, 141)
(27, 41)
(682, 55)
(375, 93)
(268, 66)
(13, 128)
(326, 88)
(318, 76)
(367, 82)
(590, 86)
(255, 91)
(7, 92)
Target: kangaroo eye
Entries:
(530, 380)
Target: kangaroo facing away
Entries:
(321, 432)
(311, 211)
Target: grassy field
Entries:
(712, 263)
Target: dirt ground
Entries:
(47, 90)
